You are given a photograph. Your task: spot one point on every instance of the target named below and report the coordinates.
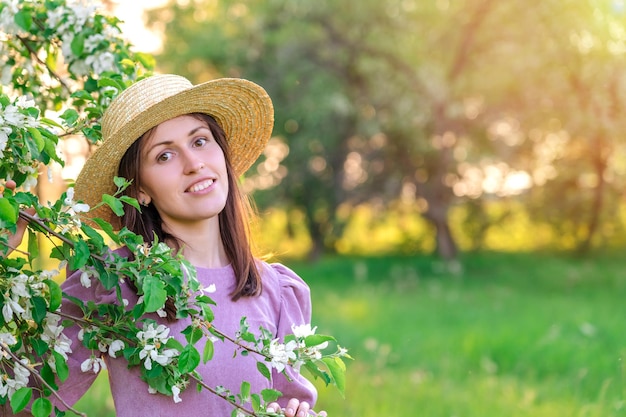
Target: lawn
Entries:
(511, 335)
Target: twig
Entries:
(235, 342)
(24, 42)
(32, 219)
(5, 348)
(13, 249)
(213, 391)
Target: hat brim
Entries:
(242, 108)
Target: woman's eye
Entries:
(199, 142)
(165, 156)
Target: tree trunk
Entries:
(597, 203)
(438, 216)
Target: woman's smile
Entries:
(200, 186)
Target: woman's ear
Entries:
(144, 199)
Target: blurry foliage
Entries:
(442, 104)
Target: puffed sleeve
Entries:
(295, 309)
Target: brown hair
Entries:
(233, 219)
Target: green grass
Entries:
(512, 335)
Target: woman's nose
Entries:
(192, 163)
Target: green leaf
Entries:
(70, 116)
(131, 201)
(208, 313)
(38, 345)
(188, 360)
(244, 391)
(49, 122)
(48, 375)
(338, 371)
(20, 399)
(37, 137)
(107, 278)
(50, 150)
(270, 395)
(60, 252)
(94, 236)
(115, 204)
(81, 255)
(42, 407)
(24, 19)
(82, 95)
(255, 400)
(264, 370)
(40, 309)
(108, 82)
(8, 210)
(316, 372)
(192, 334)
(63, 371)
(33, 246)
(154, 293)
(107, 228)
(209, 350)
(317, 339)
(56, 294)
(174, 344)
(120, 182)
(78, 45)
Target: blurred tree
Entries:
(437, 101)
(584, 127)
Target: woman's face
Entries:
(183, 172)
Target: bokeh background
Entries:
(449, 178)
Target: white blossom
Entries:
(53, 335)
(83, 14)
(7, 339)
(66, 45)
(281, 354)
(152, 339)
(8, 386)
(93, 363)
(210, 289)
(7, 19)
(101, 62)
(150, 353)
(303, 330)
(24, 102)
(4, 138)
(92, 42)
(85, 280)
(115, 347)
(11, 306)
(75, 207)
(176, 394)
(55, 16)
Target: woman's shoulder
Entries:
(282, 280)
(281, 275)
(293, 296)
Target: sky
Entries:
(131, 13)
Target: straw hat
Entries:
(243, 109)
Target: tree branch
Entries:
(4, 348)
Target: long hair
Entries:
(233, 219)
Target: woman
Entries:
(184, 147)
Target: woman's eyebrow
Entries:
(167, 142)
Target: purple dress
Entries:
(285, 301)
